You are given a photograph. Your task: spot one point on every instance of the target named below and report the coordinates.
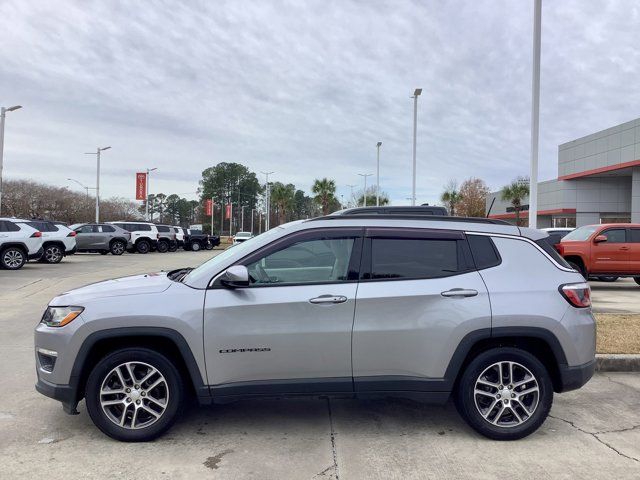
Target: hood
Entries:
(118, 287)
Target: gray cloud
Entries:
(307, 88)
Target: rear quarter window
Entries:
(484, 252)
(552, 252)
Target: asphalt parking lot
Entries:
(593, 432)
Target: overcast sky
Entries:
(306, 89)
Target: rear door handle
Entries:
(624, 248)
(460, 292)
(324, 299)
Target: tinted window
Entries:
(615, 235)
(635, 235)
(311, 261)
(416, 258)
(43, 226)
(162, 228)
(8, 226)
(107, 229)
(484, 252)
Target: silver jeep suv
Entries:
(367, 306)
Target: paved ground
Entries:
(594, 432)
(621, 296)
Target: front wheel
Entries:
(209, 246)
(134, 394)
(143, 246)
(163, 246)
(13, 258)
(505, 394)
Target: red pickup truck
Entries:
(611, 249)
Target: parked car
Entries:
(557, 233)
(18, 243)
(196, 240)
(241, 237)
(58, 240)
(166, 239)
(339, 306)
(102, 238)
(430, 210)
(180, 233)
(605, 251)
(214, 241)
(144, 235)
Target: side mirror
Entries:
(600, 239)
(236, 276)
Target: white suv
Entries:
(58, 240)
(18, 243)
(144, 235)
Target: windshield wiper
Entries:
(179, 274)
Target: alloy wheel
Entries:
(134, 395)
(52, 254)
(117, 248)
(13, 258)
(506, 394)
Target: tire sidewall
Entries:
(58, 258)
(195, 246)
(112, 249)
(143, 246)
(157, 360)
(19, 250)
(465, 397)
(163, 246)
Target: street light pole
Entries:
(365, 175)
(267, 201)
(3, 112)
(242, 218)
(378, 145)
(416, 94)
(82, 185)
(97, 154)
(146, 202)
(352, 199)
(535, 115)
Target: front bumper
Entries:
(572, 378)
(63, 393)
(35, 256)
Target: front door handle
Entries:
(460, 292)
(323, 299)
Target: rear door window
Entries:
(635, 235)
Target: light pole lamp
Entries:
(416, 94)
(3, 111)
(97, 154)
(378, 145)
(146, 196)
(365, 175)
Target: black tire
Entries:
(117, 247)
(13, 258)
(173, 247)
(52, 254)
(195, 246)
(163, 246)
(209, 246)
(637, 280)
(579, 268)
(470, 411)
(143, 246)
(607, 279)
(174, 389)
(103, 252)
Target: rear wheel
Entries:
(173, 247)
(505, 394)
(134, 394)
(143, 246)
(117, 247)
(163, 246)
(195, 246)
(209, 246)
(607, 279)
(637, 280)
(13, 258)
(52, 254)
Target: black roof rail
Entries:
(429, 218)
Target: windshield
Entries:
(247, 246)
(580, 234)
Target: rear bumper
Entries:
(72, 251)
(34, 256)
(572, 378)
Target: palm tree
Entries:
(283, 197)
(325, 191)
(515, 193)
(450, 197)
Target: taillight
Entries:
(577, 294)
(72, 234)
(36, 234)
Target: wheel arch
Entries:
(14, 244)
(163, 340)
(540, 342)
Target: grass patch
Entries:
(618, 333)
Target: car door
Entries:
(634, 250)
(611, 256)
(418, 297)
(84, 237)
(290, 330)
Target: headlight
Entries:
(60, 316)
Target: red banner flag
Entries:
(141, 186)
(209, 207)
(227, 213)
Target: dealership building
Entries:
(598, 182)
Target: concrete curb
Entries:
(617, 362)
